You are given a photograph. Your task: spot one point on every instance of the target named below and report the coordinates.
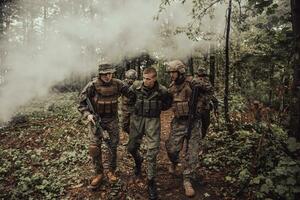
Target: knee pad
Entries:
(94, 151)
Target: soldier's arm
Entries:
(167, 99)
(203, 85)
(85, 93)
(126, 90)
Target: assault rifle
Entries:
(99, 128)
(191, 114)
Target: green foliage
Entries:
(44, 172)
(263, 161)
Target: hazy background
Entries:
(49, 40)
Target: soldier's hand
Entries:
(90, 118)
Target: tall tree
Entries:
(190, 64)
(295, 105)
(226, 91)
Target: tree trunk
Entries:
(191, 65)
(226, 92)
(295, 104)
(212, 68)
(45, 13)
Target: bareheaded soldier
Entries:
(212, 102)
(130, 77)
(151, 99)
(102, 92)
(181, 88)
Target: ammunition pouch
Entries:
(148, 108)
(106, 106)
(106, 98)
(180, 109)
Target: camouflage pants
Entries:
(174, 145)
(111, 126)
(150, 127)
(126, 121)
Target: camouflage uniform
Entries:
(145, 120)
(104, 98)
(181, 89)
(213, 105)
(212, 102)
(130, 77)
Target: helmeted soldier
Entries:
(181, 88)
(130, 77)
(102, 92)
(151, 99)
(213, 103)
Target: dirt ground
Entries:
(208, 186)
(42, 132)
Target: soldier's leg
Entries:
(205, 116)
(152, 131)
(126, 121)
(152, 139)
(137, 125)
(192, 158)
(175, 141)
(114, 137)
(95, 153)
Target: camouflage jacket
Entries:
(103, 96)
(206, 92)
(150, 102)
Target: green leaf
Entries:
(206, 194)
(296, 189)
(291, 181)
(228, 178)
(264, 188)
(293, 145)
(256, 180)
(269, 182)
(280, 189)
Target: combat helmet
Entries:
(176, 66)
(105, 68)
(131, 74)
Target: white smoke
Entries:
(63, 43)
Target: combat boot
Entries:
(152, 190)
(111, 176)
(96, 181)
(138, 167)
(188, 188)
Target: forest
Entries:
(250, 50)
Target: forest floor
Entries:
(44, 155)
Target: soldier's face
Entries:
(106, 78)
(174, 75)
(149, 80)
(130, 81)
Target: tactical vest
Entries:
(106, 97)
(147, 105)
(181, 95)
